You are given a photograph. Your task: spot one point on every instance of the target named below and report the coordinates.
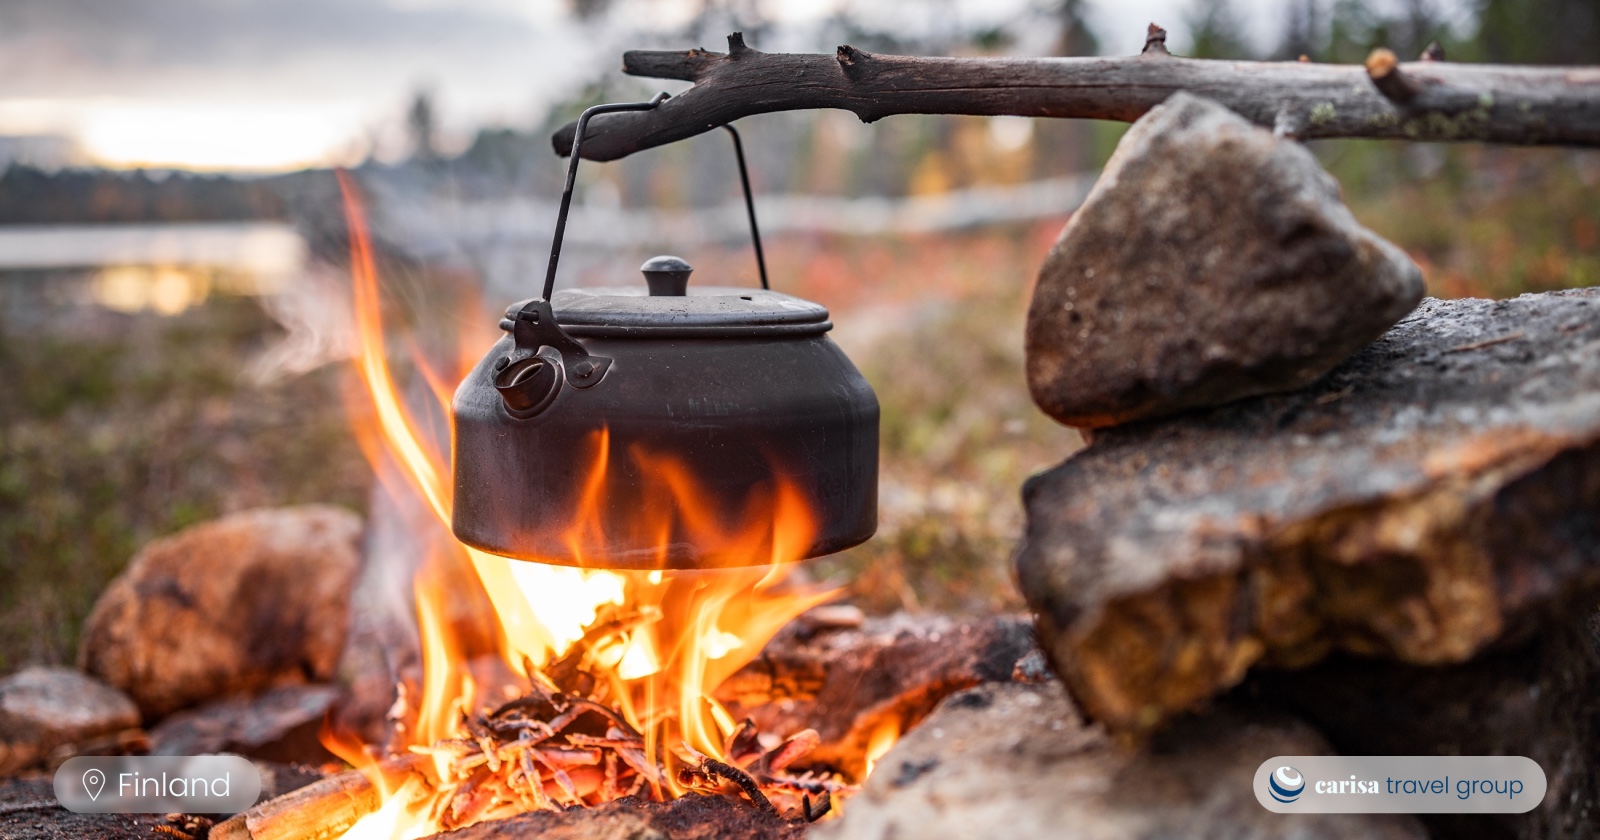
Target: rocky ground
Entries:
(1019, 759)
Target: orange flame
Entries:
(684, 633)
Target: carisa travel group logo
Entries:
(1286, 784)
(1399, 784)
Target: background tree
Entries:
(422, 126)
(1074, 35)
(1301, 33)
(1539, 31)
(1062, 147)
(1216, 30)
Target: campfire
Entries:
(594, 685)
(1351, 524)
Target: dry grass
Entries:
(117, 429)
(1481, 221)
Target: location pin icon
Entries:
(93, 781)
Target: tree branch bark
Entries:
(1426, 100)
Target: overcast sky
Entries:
(270, 84)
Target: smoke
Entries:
(313, 307)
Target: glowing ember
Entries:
(604, 679)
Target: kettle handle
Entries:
(749, 203)
(572, 176)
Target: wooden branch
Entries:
(1436, 100)
(1155, 41)
(1383, 68)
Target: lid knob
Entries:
(667, 276)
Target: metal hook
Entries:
(572, 177)
(749, 204)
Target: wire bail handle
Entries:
(572, 176)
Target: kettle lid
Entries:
(668, 308)
(703, 312)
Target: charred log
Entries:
(888, 674)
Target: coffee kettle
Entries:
(576, 434)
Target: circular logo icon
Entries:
(1286, 784)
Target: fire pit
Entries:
(671, 666)
(596, 685)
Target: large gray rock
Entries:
(1017, 761)
(1212, 261)
(46, 709)
(233, 606)
(1436, 493)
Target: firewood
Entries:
(319, 811)
(890, 672)
(1428, 100)
(526, 756)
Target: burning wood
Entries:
(690, 817)
(549, 750)
(324, 809)
(778, 781)
(538, 752)
(545, 750)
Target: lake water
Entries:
(161, 268)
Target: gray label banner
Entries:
(1399, 784)
(158, 784)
